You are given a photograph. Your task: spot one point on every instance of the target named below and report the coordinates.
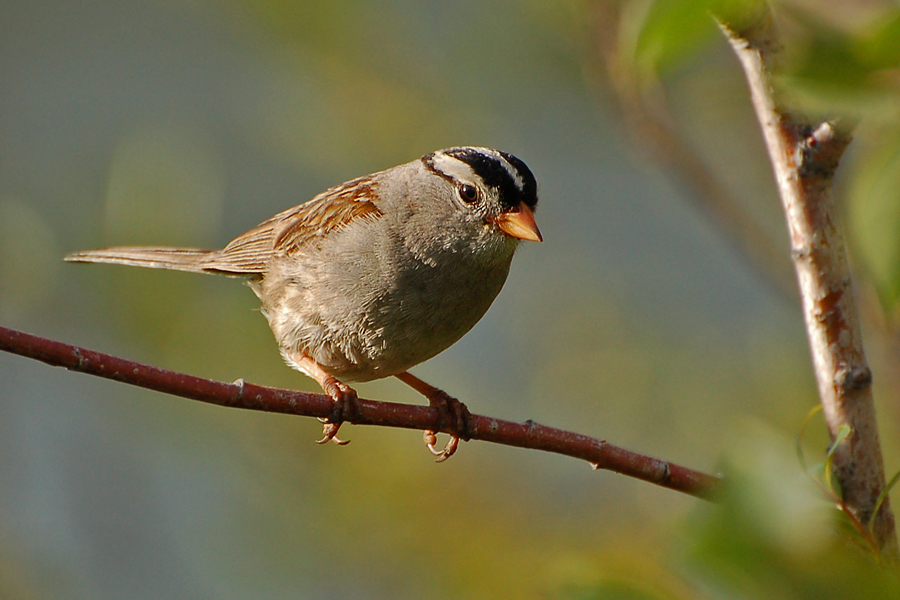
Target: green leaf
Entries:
(881, 497)
(673, 31)
(848, 71)
(799, 442)
(843, 432)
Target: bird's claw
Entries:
(345, 409)
(457, 414)
(448, 450)
(329, 433)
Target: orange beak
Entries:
(519, 223)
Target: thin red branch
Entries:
(600, 453)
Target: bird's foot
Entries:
(455, 416)
(346, 405)
(345, 409)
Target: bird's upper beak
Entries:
(519, 223)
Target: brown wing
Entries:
(292, 229)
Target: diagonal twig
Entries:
(600, 453)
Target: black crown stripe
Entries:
(496, 175)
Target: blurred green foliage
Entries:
(672, 32)
(840, 61)
(771, 535)
(771, 538)
(635, 321)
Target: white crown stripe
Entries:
(454, 168)
(513, 172)
(460, 167)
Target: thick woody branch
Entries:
(805, 156)
(600, 453)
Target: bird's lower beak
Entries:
(519, 223)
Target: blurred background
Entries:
(660, 313)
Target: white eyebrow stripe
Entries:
(454, 168)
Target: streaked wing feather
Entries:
(292, 229)
(327, 212)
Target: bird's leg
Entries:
(453, 412)
(344, 396)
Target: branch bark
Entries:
(600, 453)
(805, 156)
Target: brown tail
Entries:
(178, 259)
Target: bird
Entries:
(378, 274)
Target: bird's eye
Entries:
(468, 193)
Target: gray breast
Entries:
(367, 306)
